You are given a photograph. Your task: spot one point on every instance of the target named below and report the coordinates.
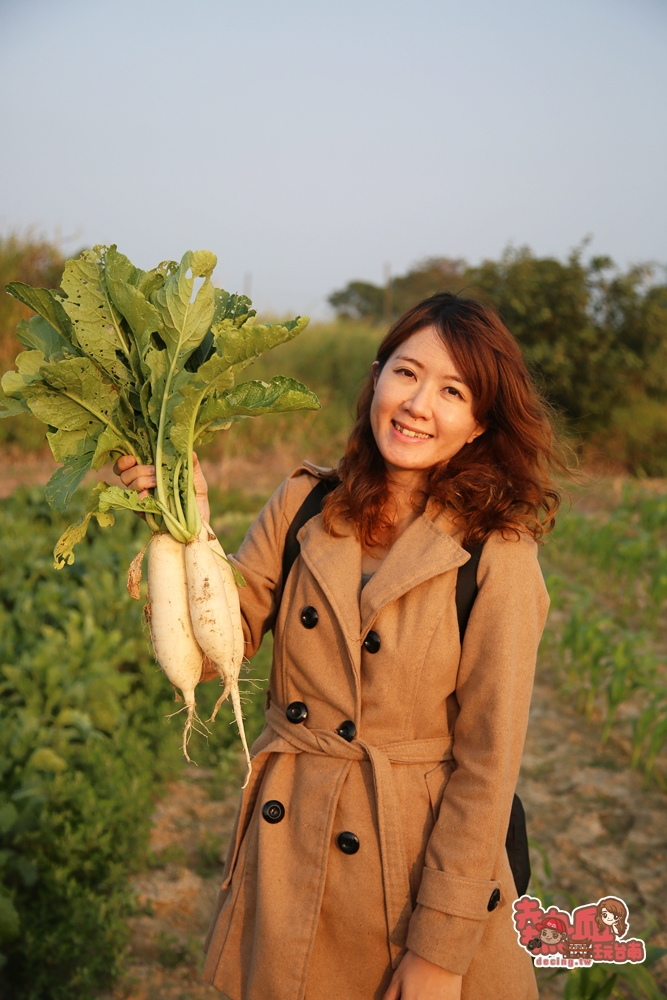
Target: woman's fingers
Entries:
(394, 990)
(123, 463)
(138, 477)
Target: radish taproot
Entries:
(122, 361)
(230, 671)
(216, 632)
(168, 615)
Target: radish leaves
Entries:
(144, 363)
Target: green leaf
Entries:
(215, 375)
(46, 759)
(96, 323)
(12, 407)
(253, 399)
(70, 444)
(63, 553)
(186, 322)
(9, 919)
(66, 480)
(109, 443)
(113, 498)
(8, 816)
(232, 306)
(45, 304)
(39, 335)
(124, 283)
(242, 345)
(76, 396)
(17, 385)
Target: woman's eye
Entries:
(454, 392)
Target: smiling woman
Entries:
(369, 858)
(449, 412)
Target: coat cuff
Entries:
(472, 898)
(443, 939)
(450, 918)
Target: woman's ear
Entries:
(479, 429)
(375, 369)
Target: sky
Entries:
(308, 143)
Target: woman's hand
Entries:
(142, 478)
(417, 979)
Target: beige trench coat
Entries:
(426, 787)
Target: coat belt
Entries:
(395, 878)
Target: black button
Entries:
(372, 642)
(273, 811)
(296, 712)
(494, 899)
(347, 730)
(348, 842)
(309, 617)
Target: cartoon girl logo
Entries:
(551, 931)
(612, 913)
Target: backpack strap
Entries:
(466, 589)
(310, 507)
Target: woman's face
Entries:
(422, 411)
(607, 917)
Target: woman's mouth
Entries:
(406, 432)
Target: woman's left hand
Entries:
(417, 979)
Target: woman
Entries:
(368, 858)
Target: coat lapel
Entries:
(423, 551)
(336, 565)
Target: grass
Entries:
(606, 571)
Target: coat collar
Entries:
(426, 549)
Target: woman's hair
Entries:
(499, 482)
(616, 906)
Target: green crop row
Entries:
(84, 748)
(608, 584)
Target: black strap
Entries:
(516, 842)
(311, 506)
(466, 589)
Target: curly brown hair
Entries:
(502, 481)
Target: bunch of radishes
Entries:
(122, 361)
(193, 611)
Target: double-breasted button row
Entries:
(494, 899)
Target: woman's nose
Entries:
(419, 404)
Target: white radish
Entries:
(216, 618)
(168, 615)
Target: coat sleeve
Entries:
(493, 690)
(260, 558)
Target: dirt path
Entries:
(603, 834)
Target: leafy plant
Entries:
(121, 361)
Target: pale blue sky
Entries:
(307, 143)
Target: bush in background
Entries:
(84, 748)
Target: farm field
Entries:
(91, 873)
